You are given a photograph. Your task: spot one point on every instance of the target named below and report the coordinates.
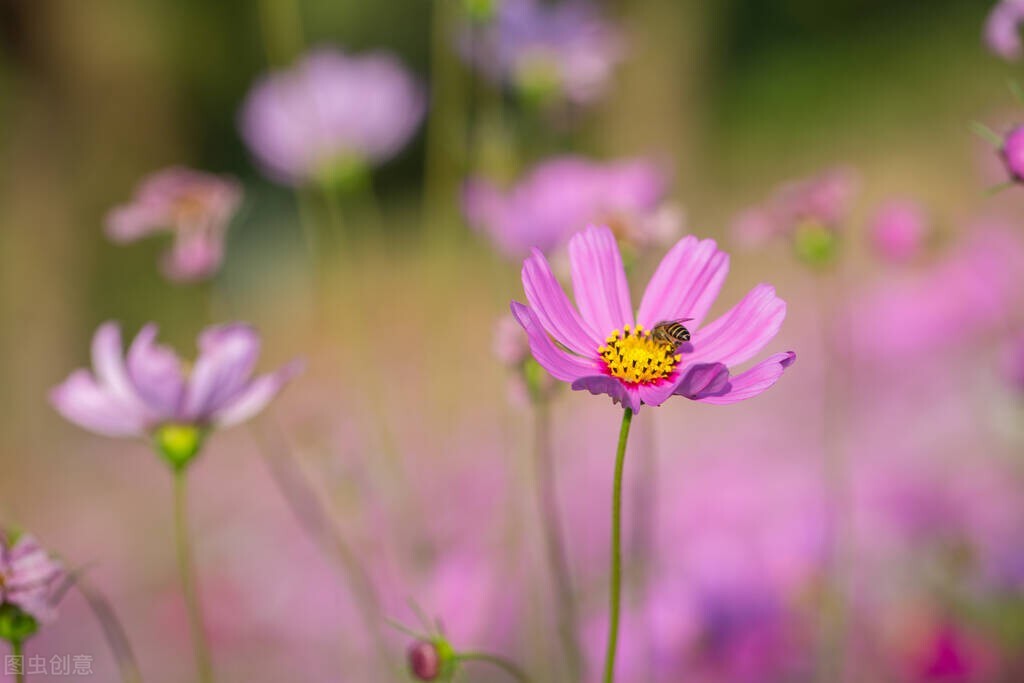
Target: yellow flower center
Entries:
(634, 357)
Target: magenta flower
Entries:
(29, 577)
(604, 349)
(1002, 29)
(195, 207)
(544, 49)
(151, 393)
(565, 194)
(331, 114)
(898, 230)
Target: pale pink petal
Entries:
(108, 364)
(227, 357)
(658, 393)
(84, 402)
(256, 396)
(599, 280)
(156, 373)
(742, 332)
(553, 308)
(686, 283)
(560, 364)
(754, 381)
(703, 380)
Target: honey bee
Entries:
(671, 332)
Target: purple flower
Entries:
(823, 201)
(602, 348)
(543, 49)
(331, 114)
(151, 393)
(1012, 153)
(564, 195)
(29, 577)
(898, 230)
(194, 206)
(1002, 29)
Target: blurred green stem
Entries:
(186, 568)
(113, 630)
(18, 653)
(505, 665)
(615, 597)
(282, 30)
(554, 542)
(445, 160)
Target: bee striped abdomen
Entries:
(671, 332)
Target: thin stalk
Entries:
(113, 630)
(186, 568)
(615, 591)
(281, 22)
(19, 661)
(505, 665)
(554, 540)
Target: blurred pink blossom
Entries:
(330, 114)
(29, 576)
(1002, 29)
(824, 199)
(537, 47)
(565, 194)
(898, 230)
(195, 207)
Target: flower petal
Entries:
(754, 381)
(686, 283)
(603, 384)
(108, 364)
(599, 280)
(256, 396)
(553, 308)
(742, 332)
(156, 373)
(91, 406)
(559, 363)
(703, 380)
(227, 357)
(656, 394)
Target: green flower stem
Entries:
(19, 654)
(554, 543)
(188, 580)
(505, 665)
(615, 591)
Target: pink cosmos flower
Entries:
(151, 389)
(823, 200)
(195, 207)
(1012, 153)
(564, 195)
(898, 230)
(1002, 29)
(29, 577)
(600, 346)
(329, 113)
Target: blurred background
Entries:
(862, 521)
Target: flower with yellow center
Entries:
(602, 346)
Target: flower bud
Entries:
(899, 230)
(430, 660)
